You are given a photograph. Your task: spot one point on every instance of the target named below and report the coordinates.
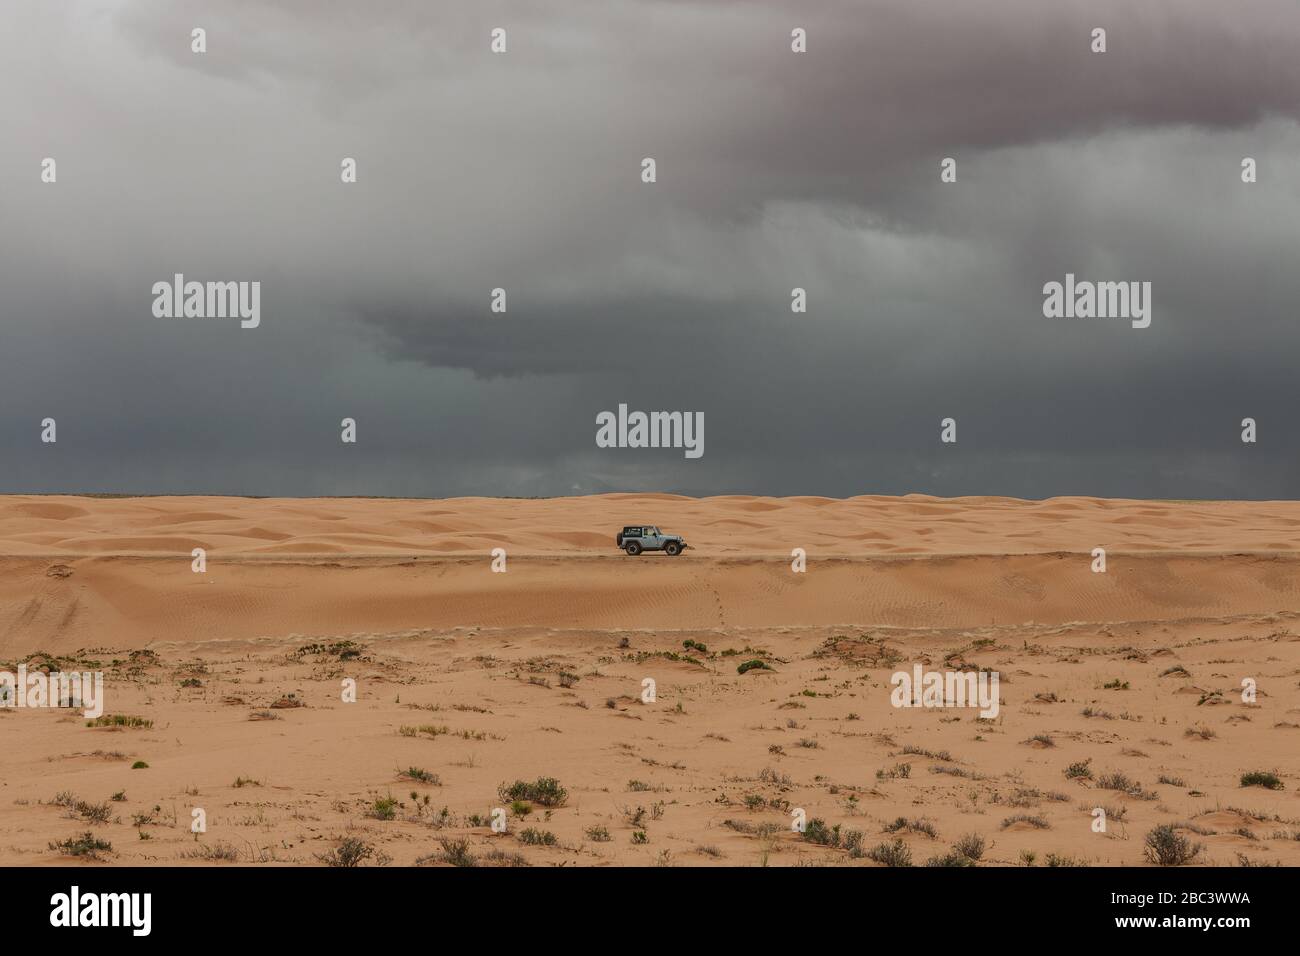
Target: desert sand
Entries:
(1120, 690)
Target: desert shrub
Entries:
(120, 720)
(545, 791)
(970, 846)
(1167, 847)
(456, 852)
(1260, 778)
(85, 844)
(421, 776)
(892, 853)
(535, 837)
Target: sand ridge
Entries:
(1120, 690)
(717, 526)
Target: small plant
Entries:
(816, 831)
(420, 776)
(1121, 782)
(139, 765)
(1167, 847)
(545, 791)
(1079, 770)
(218, 853)
(1037, 822)
(145, 819)
(916, 826)
(384, 808)
(752, 665)
(90, 812)
(456, 852)
(534, 837)
(639, 837)
(970, 846)
(86, 844)
(1259, 778)
(893, 853)
(952, 858)
(120, 720)
(598, 834)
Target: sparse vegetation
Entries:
(1167, 847)
(1260, 778)
(970, 846)
(456, 852)
(1034, 821)
(952, 858)
(535, 837)
(916, 826)
(1124, 784)
(420, 776)
(85, 844)
(544, 791)
(891, 853)
(120, 720)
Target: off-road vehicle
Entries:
(636, 538)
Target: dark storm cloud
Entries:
(776, 170)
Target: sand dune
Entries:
(481, 678)
(725, 525)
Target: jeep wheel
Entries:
(633, 548)
(673, 548)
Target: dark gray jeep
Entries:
(636, 538)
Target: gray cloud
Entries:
(776, 170)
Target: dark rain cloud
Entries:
(775, 170)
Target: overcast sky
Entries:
(819, 170)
